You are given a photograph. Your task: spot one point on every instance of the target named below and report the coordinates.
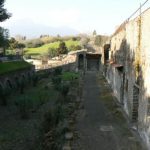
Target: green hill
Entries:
(44, 49)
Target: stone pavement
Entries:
(100, 123)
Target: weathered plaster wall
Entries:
(130, 47)
(144, 118)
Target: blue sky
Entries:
(82, 15)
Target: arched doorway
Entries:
(9, 84)
(93, 62)
(80, 62)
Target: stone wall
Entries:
(9, 80)
(130, 48)
(144, 123)
(54, 62)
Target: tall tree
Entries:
(3, 12)
(4, 42)
(3, 32)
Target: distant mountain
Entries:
(31, 30)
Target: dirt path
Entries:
(99, 126)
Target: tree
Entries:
(4, 42)
(13, 43)
(3, 12)
(21, 45)
(62, 48)
(3, 32)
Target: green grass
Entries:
(68, 76)
(38, 95)
(69, 43)
(7, 67)
(44, 49)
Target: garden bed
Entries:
(40, 113)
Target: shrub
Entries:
(69, 76)
(59, 114)
(52, 52)
(57, 82)
(64, 89)
(4, 92)
(24, 104)
(35, 79)
(43, 97)
(48, 121)
(57, 71)
(62, 49)
(43, 74)
(21, 85)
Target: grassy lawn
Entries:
(7, 67)
(44, 49)
(68, 76)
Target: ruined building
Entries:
(126, 65)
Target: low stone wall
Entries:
(9, 80)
